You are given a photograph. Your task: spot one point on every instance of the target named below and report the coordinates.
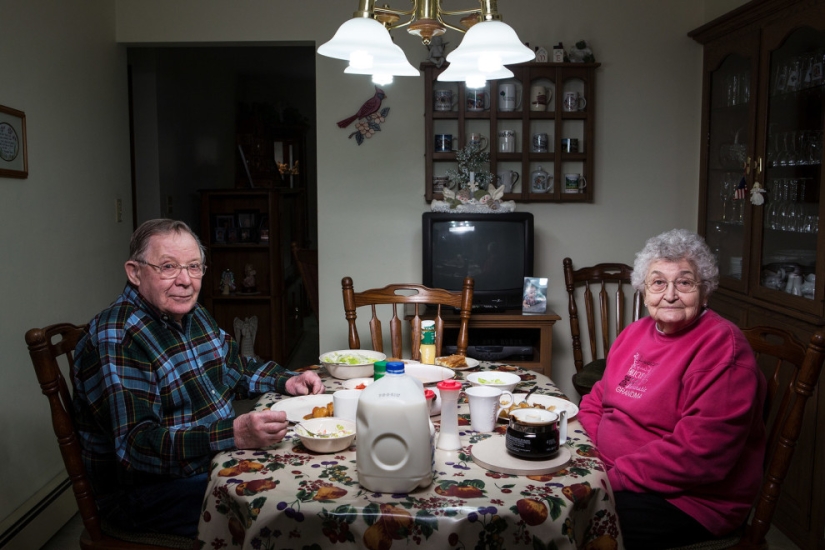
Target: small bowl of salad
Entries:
(505, 381)
(331, 434)
(351, 363)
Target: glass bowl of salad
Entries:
(351, 363)
(331, 434)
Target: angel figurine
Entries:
(245, 332)
(227, 282)
(756, 194)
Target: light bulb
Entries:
(382, 78)
(475, 81)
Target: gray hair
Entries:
(163, 226)
(673, 246)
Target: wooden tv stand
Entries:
(536, 327)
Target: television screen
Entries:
(495, 249)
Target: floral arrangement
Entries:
(472, 186)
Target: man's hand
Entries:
(305, 383)
(255, 430)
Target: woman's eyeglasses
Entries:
(682, 285)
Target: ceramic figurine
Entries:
(249, 278)
(227, 282)
(245, 332)
(437, 48)
(541, 55)
(756, 194)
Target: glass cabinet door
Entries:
(730, 135)
(792, 172)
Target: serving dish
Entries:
(351, 363)
(546, 401)
(505, 381)
(471, 363)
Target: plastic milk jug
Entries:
(395, 445)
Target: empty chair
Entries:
(600, 291)
(307, 261)
(792, 371)
(402, 294)
(46, 347)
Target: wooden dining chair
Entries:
(792, 371)
(307, 261)
(418, 296)
(48, 347)
(602, 324)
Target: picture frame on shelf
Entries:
(263, 228)
(247, 225)
(534, 298)
(14, 154)
(222, 224)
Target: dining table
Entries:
(288, 497)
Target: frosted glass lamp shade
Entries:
(491, 43)
(360, 38)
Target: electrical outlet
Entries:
(119, 211)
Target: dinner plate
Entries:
(428, 374)
(298, 407)
(471, 364)
(548, 401)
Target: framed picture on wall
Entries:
(14, 161)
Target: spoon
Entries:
(309, 433)
(530, 392)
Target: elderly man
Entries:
(155, 378)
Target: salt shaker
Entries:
(448, 439)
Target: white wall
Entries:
(63, 251)
(370, 196)
(61, 247)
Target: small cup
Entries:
(507, 99)
(345, 403)
(541, 142)
(485, 404)
(569, 145)
(439, 183)
(443, 143)
(573, 102)
(477, 100)
(538, 98)
(477, 139)
(574, 183)
(507, 178)
(507, 141)
(443, 100)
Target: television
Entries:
(496, 250)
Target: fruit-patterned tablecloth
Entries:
(287, 497)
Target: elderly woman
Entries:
(677, 416)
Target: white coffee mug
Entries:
(507, 141)
(539, 97)
(574, 183)
(477, 139)
(443, 100)
(485, 404)
(477, 100)
(345, 403)
(507, 98)
(507, 178)
(574, 102)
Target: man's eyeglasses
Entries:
(682, 285)
(171, 271)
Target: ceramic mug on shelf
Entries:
(574, 183)
(574, 102)
(507, 178)
(439, 183)
(569, 145)
(541, 181)
(443, 100)
(477, 139)
(507, 98)
(539, 97)
(541, 142)
(507, 141)
(477, 100)
(443, 143)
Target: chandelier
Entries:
(488, 45)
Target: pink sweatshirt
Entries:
(681, 415)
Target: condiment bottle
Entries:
(395, 452)
(448, 439)
(379, 369)
(428, 342)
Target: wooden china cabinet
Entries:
(554, 121)
(762, 121)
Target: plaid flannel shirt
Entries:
(152, 398)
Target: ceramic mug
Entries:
(574, 102)
(539, 96)
(541, 181)
(541, 142)
(507, 178)
(443, 143)
(477, 100)
(477, 139)
(443, 100)
(507, 98)
(569, 145)
(485, 404)
(507, 141)
(574, 183)
(439, 183)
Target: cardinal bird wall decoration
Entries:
(369, 117)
